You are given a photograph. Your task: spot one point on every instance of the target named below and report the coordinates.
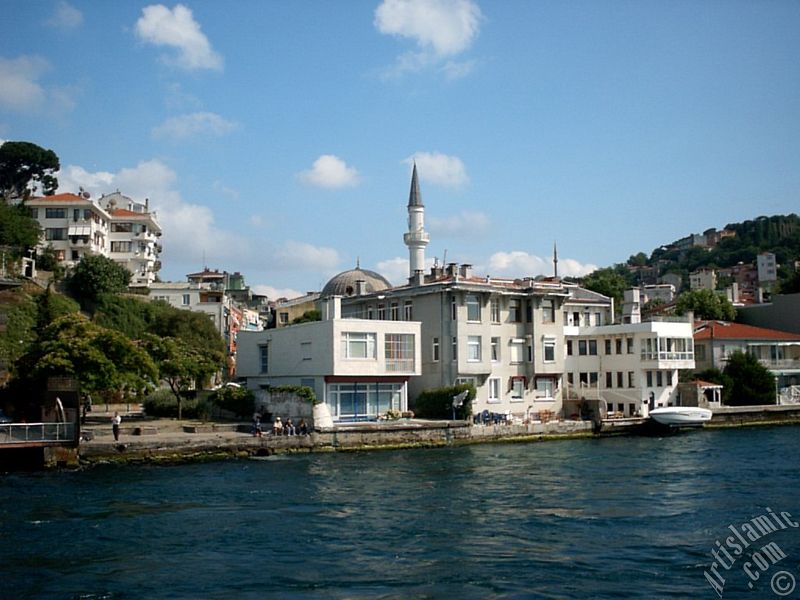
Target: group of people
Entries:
(279, 427)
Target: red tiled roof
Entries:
(723, 330)
(701, 383)
(121, 212)
(61, 198)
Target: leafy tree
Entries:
(238, 400)
(180, 366)
(609, 281)
(17, 228)
(706, 305)
(102, 360)
(791, 285)
(195, 329)
(47, 260)
(51, 306)
(23, 167)
(638, 260)
(752, 383)
(308, 317)
(714, 375)
(96, 275)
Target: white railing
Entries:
(25, 433)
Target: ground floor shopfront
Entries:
(365, 398)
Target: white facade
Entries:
(633, 367)
(359, 367)
(194, 297)
(703, 279)
(113, 226)
(767, 268)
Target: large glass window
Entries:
(121, 227)
(364, 400)
(494, 307)
(473, 308)
(358, 345)
(514, 310)
(517, 389)
(549, 349)
(548, 311)
(55, 233)
(263, 357)
(474, 348)
(516, 351)
(55, 213)
(545, 387)
(399, 351)
(494, 389)
(408, 312)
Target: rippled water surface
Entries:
(607, 518)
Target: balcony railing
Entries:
(667, 355)
(26, 433)
(400, 365)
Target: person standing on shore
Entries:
(115, 421)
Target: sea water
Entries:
(633, 517)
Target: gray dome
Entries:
(345, 284)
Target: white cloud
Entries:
(466, 224)
(190, 232)
(19, 87)
(300, 255)
(439, 169)
(440, 29)
(521, 264)
(330, 171)
(274, 293)
(177, 28)
(65, 17)
(195, 124)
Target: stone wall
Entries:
(284, 405)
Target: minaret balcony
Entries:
(416, 237)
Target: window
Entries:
(659, 379)
(76, 255)
(55, 213)
(358, 345)
(55, 233)
(514, 314)
(569, 347)
(593, 378)
(608, 346)
(494, 389)
(435, 349)
(582, 348)
(631, 380)
(381, 312)
(408, 311)
(473, 308)
(529, 349)
(528, 312)
(186, 299)
(544, 388)
(121, 246)
(629, 341)
(454, 348)
(517, 389)
(587, 319)
(516, 350)
(609, 379)
(395, 312)
(474, 348)
(370, 313)
(283, 318)
(669, 378)
(593, 347)
(618, 346)
(121, 227)
(399, 351)
(263, 357)
(453, 308)
(549, 349)
(571, 378)
(495, 349)
(620, 379)
(700, 352)
(33, 213)
(548, 311)
(305, 350)
(649, 379)
(597, 319)
(494, 306)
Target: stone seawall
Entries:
(769, 414)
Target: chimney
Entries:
(417, 278)
(452, 269)
(466, 271)
(361, 287)
(332, 308)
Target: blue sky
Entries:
(276, 138)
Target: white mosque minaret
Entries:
(417, 238)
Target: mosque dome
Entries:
(347, 283)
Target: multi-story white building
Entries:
(113, 226)
(767, 269)
(360, 368)
(704, 278)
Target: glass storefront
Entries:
(353, 401)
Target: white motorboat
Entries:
(681, 416)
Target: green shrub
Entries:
(239, 401)
(302, 391)
(438, 403)
(162, 403)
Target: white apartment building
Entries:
(197, 298)
(360, 368)
(704, 278)
(767, 269)
(113, 226)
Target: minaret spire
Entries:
(555, 260)
(417, 238)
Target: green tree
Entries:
(714, 375)
(308, 317)
(97, 275)
(180, 366)
(51, 306)
(752, 383)
(706, 305)
(17, 228)
(608, 281)
(47, 260)
(638, 260)
(102, 360)
(25, 166)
